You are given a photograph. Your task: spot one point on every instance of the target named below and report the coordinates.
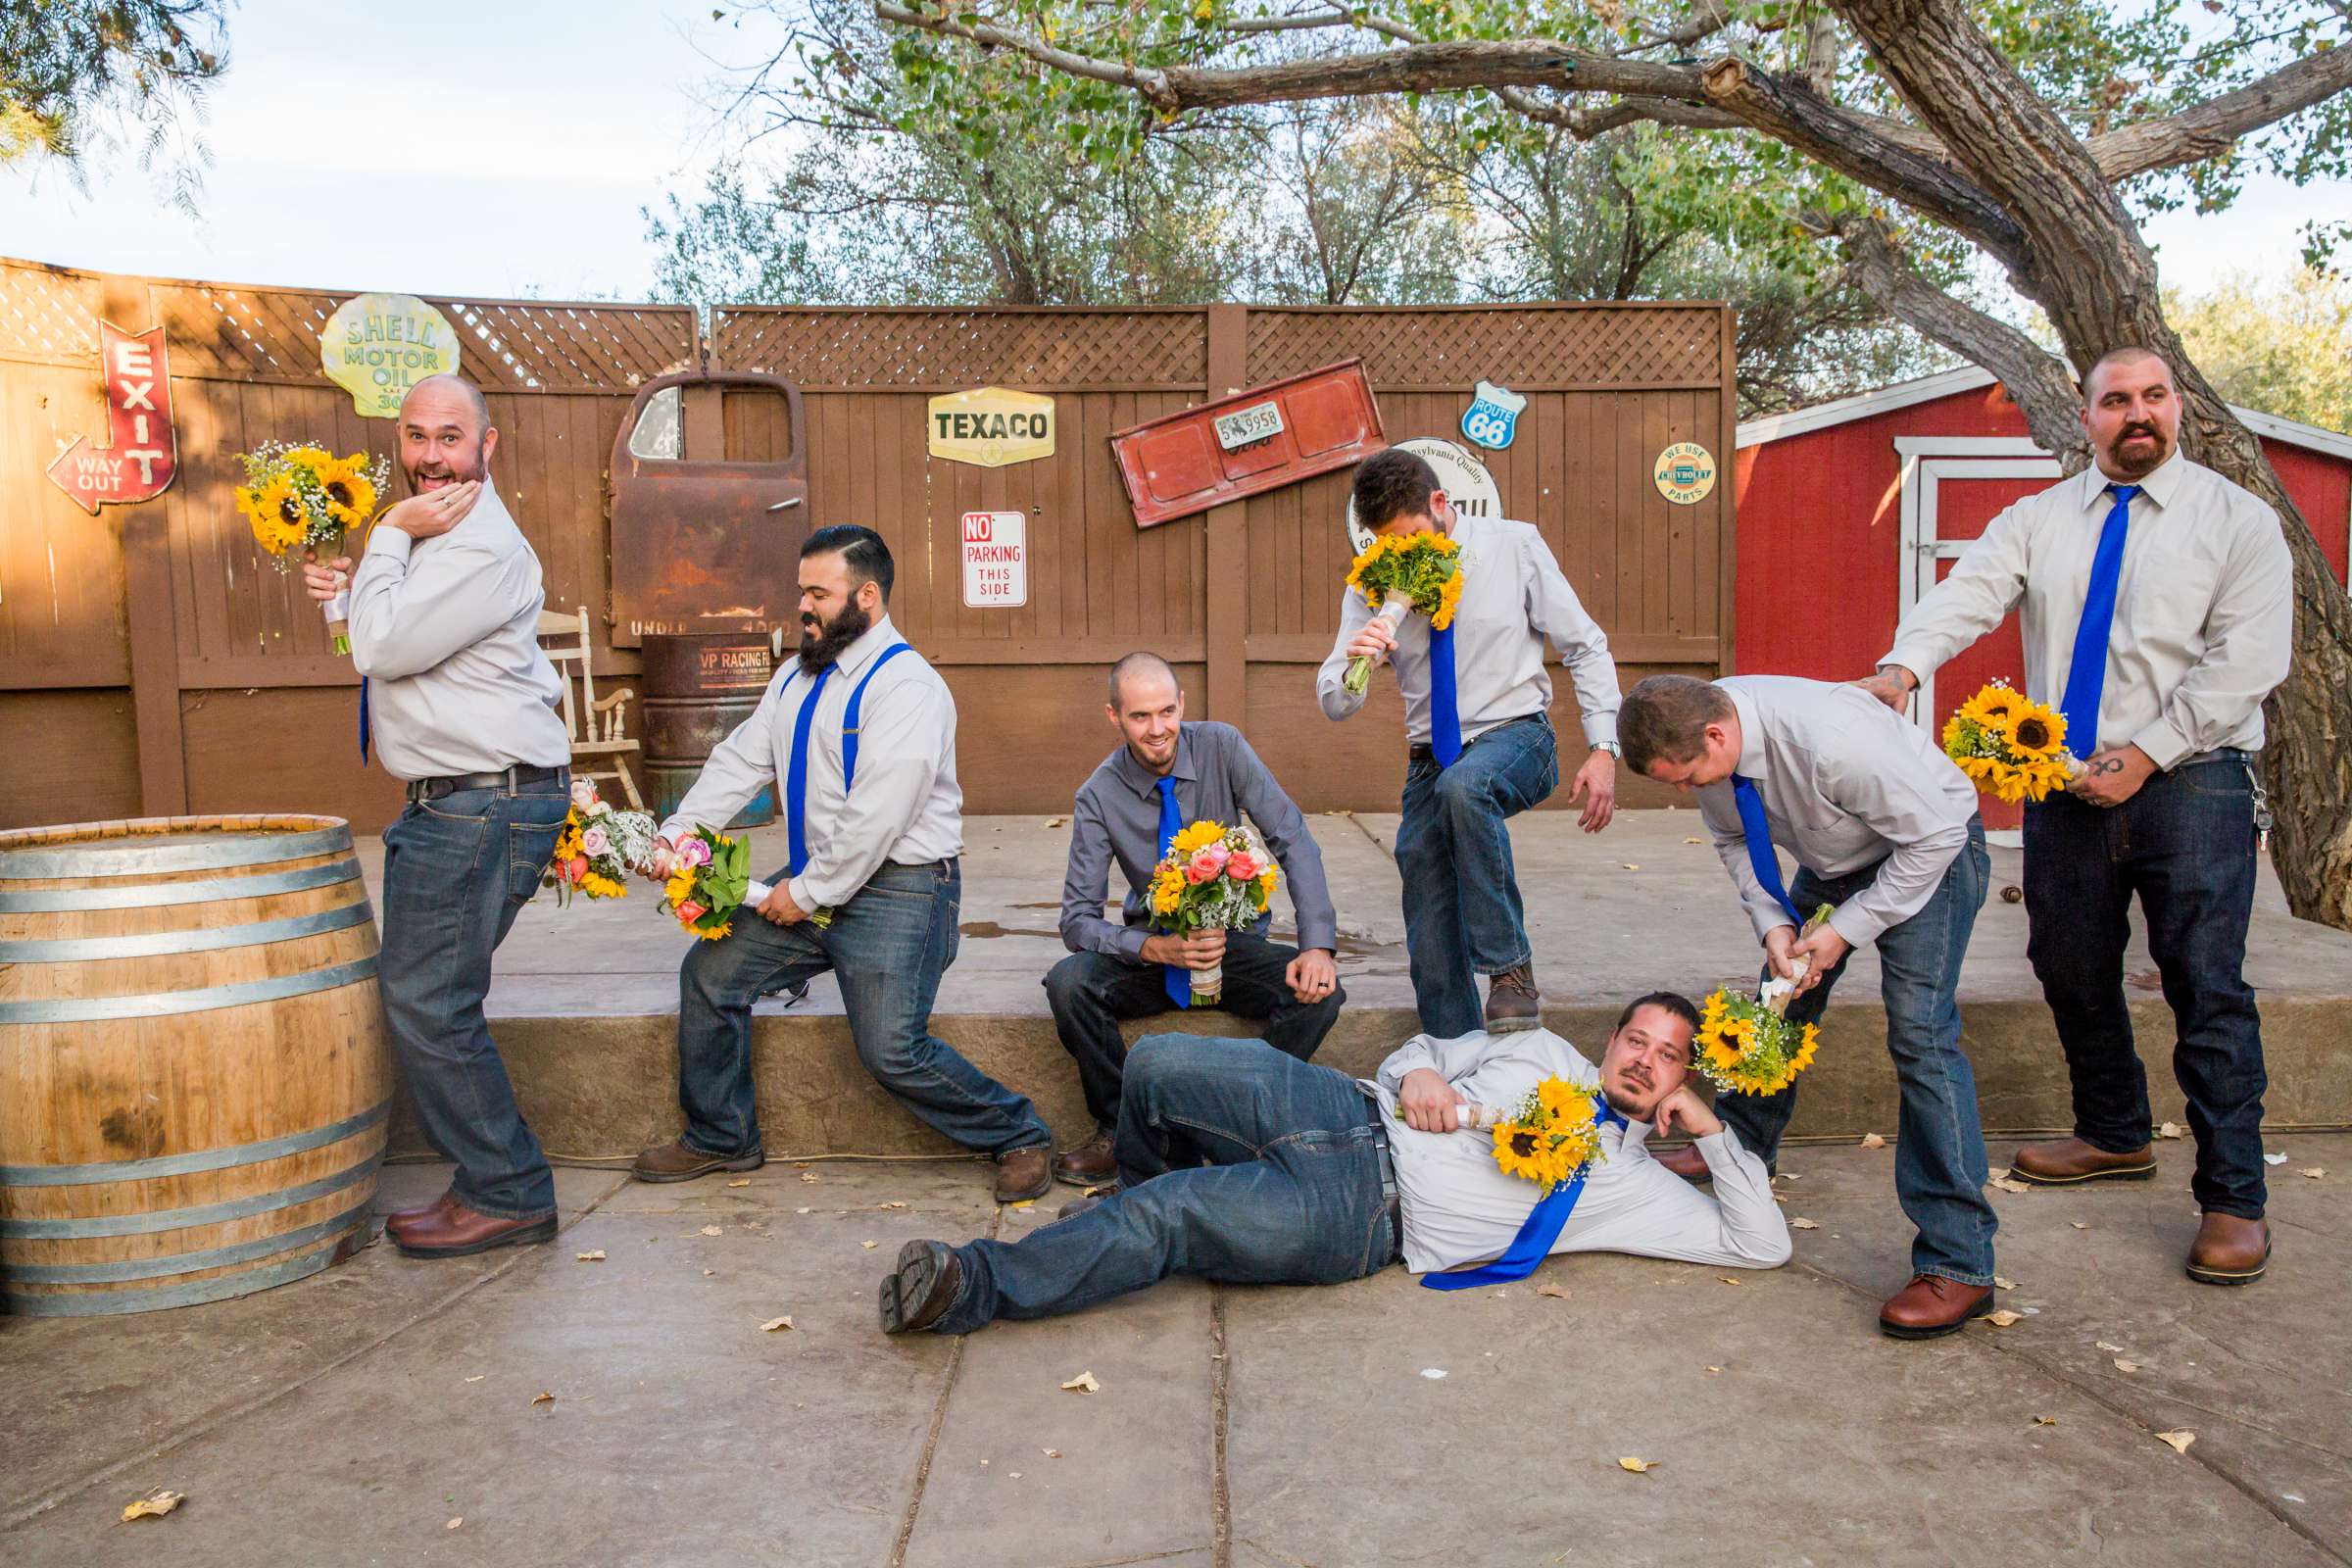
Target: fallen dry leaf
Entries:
(2078, 1224)
(869, 1246)
(894, 1204)
(2010, 1185)
(1050, 1453)
(1727, 1279)
(741, 1181)
(1082, 1383)
(2121, 1366)
(1016, 1475)
(1873, 1141)
(1694, 841)
(1713, 1370)
(807, 1175)
(2111, 1349)
(2315, 1172)
(543, 1397)
(2278, 1158)
(1097, 1191)
(1548, 1288)
(1639, 1467)
(2046, 1420)
(2177, 1441)
(714, 1230)
(2171, 1129)
(2001, 1284)
(1433, 1373)
(2003, 1319)
(154, 1505)
(1056, 821)
(706, 1273)
(478, 1378)
(596, 1256)
(1628, 865)
(776, 1324)
(1804, 1224)
(1026, 1203)
(454, 1523)
(804, 1211)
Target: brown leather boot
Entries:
(1025, 1173)
(1090, 1164)
(1512, 1000)
(920, 1292)
(459, 1232)
(1687, 1162)
(680, 1162)
(2230, 1250)
(1931, 1306)
(2068, 1162)
(403, 1217)
(1079, 1205)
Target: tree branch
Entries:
(2041, 386)
(2206, 130)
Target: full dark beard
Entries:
(823, 646)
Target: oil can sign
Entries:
(996, 560)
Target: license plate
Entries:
(1245, 426)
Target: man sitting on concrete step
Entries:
(1244, 1164)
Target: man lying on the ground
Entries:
(1240, 1164)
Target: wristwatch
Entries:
(1610, 747)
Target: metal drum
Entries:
(698, 687)
(194, 1077)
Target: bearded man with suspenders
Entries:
(861, 733)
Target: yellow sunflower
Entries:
(715, 933)
(276, 512)
(1995, 707)
(680, 885)
(1200, 836)
(350, 492)
(2036, 733)
(1266, 882)
(1526, 1152)
(1449, 598)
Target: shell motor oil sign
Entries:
(991, 426)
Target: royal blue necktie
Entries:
(2086, 676)
(1175, 976)
(1444, 712)
(796, 780)
(1537, 1232)
(362, 721)
(1760, 853)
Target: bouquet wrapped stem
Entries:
(338, 609)
(1400, 574)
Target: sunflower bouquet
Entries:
(1550, 1135)
(1745, 1047)
(298, 498)
(1400, 574)
(598, 847)
(1213, 878)
(2009, 745)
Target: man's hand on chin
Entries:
(1683, 1111)
(1427, 1101)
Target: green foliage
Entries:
(2281, 345)
(82, 78)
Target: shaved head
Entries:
(434, 389)
(445, 433)
(2130, 355)
(1137, 664)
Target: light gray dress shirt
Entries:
(1845, 781)
(446, 630)
(906, 810)
(1461, 1208)
(2204, 608)
(1218, 776)
(1514, 598)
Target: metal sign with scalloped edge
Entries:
(991, 427)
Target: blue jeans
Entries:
(1939, 1165)
(2186, 844)
(1239, 1163)
(457, 872)
(1462, 915)
(888, 944)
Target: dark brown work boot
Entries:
(1512, 1000)
(1079, 1205)
(680, 1162)
(1089, 1164)
(2230, 1250)
(459, 1232)
(404, 1217)
(920, 1292)
(1025, 1173)
(2068, 1162)
(1931, 1306)
(1687, 1162)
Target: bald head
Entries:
(1147, 708)
(445, 433)
(2130, 356)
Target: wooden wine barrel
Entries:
(194, 1077)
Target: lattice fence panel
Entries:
(1519, 348)
(50, 314)
(953, 348)
(243, 334)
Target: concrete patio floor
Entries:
(389, 1411)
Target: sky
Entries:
(513, 155)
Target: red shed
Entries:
(1847, 511)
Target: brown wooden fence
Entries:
(152, 661)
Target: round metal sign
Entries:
(1685, 473)
(1464, 479)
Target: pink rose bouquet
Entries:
(1212, 878)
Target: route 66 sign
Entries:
(1494, 416)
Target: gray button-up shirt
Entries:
(1117, 818)
(446, 630)
(2204, 610)
(1461, 1208)
(1514, 598)
(906, 809)
(1846, 782)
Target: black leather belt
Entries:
(1423, 751)
(522, 776)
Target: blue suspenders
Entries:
(848, 714)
